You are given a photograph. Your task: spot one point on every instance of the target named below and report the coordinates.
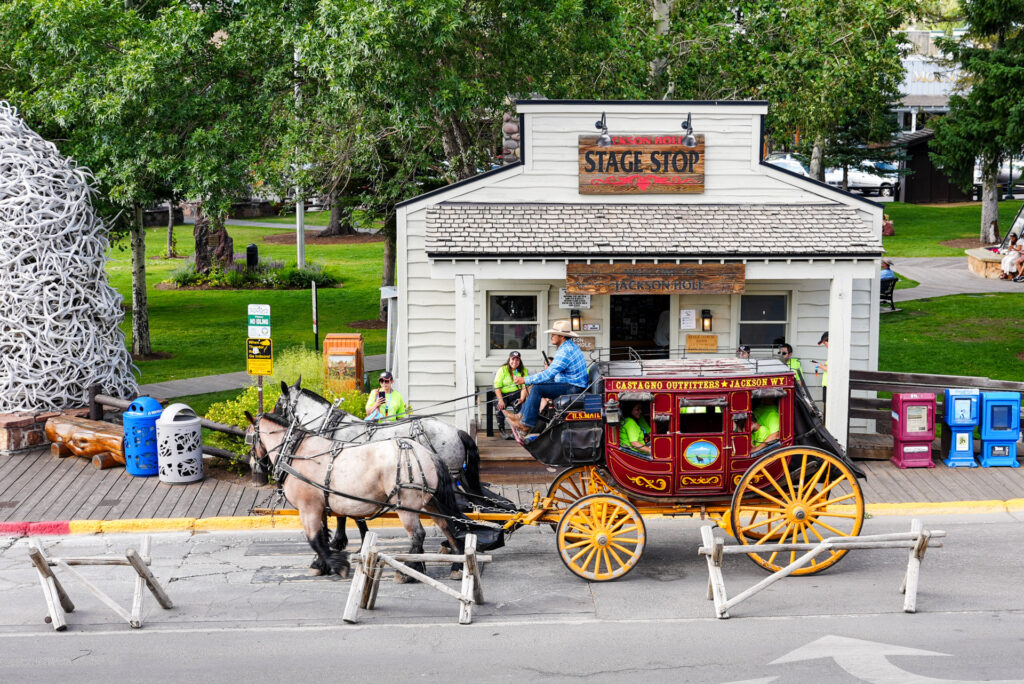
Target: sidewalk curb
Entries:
(291, 522)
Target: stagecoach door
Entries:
(634, 323)
(702, 444)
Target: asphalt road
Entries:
(246, 611)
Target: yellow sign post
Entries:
(259, 354)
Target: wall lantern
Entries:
(574, 317)
(603, 140)
(705, 320)
(689, 140)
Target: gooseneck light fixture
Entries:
(603, 140)
(689, 140)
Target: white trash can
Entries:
(179, 443)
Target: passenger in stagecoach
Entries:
(635, 431)
(567, 374)
(505, 386)
(386, 404)
(765, 426)
(743, 352)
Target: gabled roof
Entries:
(500, 230)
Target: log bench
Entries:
(101, 442)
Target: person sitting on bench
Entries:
(635, 431)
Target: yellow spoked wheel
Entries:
(601, 537)
(796, 495)
(573, 484)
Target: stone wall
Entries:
(24, 430)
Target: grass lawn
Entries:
(205, 330)
(956, 335)
(920, 229)
(905, 282)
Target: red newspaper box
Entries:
(913, 429)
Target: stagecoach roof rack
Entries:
(723, 364)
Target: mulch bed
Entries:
(368, 325)
(964, 243)
(314, 238)
(152, 356)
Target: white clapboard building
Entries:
(663, 240)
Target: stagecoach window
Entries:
(512, 321)
(763, 319)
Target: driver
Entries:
(765, 425)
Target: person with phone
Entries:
(386, 404)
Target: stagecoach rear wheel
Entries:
(573, 484)
(798, 495)
(600, 537)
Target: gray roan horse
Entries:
(315, 414)
(318, 475)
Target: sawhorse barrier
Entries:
(714, 550)
(371, 563)
(58, 603)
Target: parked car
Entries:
(870, 178)
(789, 163)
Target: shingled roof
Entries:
(458, 229)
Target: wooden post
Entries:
(57, 602)
(715, 578)
(468, 581)
(370, 564)
(916, 555)
(95, 408)
(355, 591)
(147, 576)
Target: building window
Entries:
(512, 321)
(763, 319)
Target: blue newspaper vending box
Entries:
(960, 414)
(1000, 428)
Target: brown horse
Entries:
(320, 475)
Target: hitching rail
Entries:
(370, 567)
(714, 549)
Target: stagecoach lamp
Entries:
(603, 140)
(574, 316)
(705, 320)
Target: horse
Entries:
(316, 414)
(319, 475)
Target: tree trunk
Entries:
(341, 218)
(388, 272)
(817, 167)
(170, 230)
(140, 308)
(223, 245)
(990, 206)
(458, 147)
(201, 236)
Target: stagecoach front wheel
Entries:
(796, 495)
(600, 537)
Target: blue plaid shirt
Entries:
(569, 366)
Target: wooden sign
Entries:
(702, 343)
(586, 343)
(655, 278)
(641, 165)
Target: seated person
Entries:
(635, 431)
(764, 427)
(1010, 261)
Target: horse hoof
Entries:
(404, 579)
(315, 572)
(339, 564)
(456, 575)
(444, 548)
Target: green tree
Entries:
(986, 119)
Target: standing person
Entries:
(505, 385)
(567, 374)
(786, 352)
(823, 367)
(386, 404)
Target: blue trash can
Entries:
(140, 452)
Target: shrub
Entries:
(268, 274)
(288, 366)
(298, 278)
(185, 275)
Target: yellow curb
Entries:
(149, 525)
(1015, 505)
(85, 526)
(937, 508)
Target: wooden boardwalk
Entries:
(36, 486)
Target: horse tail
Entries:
(444, 494)
(471, 465)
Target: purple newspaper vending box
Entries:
(913, 430)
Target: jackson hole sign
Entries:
(655, 278)
(641, 164)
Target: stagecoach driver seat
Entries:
(567, 374)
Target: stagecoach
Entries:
(702, 460)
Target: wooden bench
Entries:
(92, 439)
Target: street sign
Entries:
(259, 354)
(259, 320)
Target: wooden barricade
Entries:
(370, 568)
(58, 603)
(714, 550)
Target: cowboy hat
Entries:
(563, 328)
